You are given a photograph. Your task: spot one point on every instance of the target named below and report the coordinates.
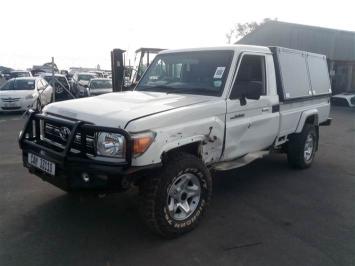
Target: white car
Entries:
(344, 99)
(193, 111)
(19, 94)
(100, 86)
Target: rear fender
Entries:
(309, 115)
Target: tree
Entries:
(241, 29)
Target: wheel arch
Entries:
(307, 117)
(193, 148)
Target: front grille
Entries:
(58, 134)
(10, 100)
(41, 135)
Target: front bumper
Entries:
(21, 105)
(72, 176)
(74, 170)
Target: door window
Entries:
(251, 78)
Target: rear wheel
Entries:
(302, 147)
(174, 199)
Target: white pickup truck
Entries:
(193, 111)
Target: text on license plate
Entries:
(41, 163)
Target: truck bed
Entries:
(303, 86)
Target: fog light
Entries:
(85, 177)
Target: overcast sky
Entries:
(82, 33)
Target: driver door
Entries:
(251, 124)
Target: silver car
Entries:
(100, 86)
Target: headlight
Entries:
(141, 142)
(110, 145)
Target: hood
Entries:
(101, 89)
(117, 109)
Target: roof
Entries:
(20, 71)
(25, 78)
(101, 79)
(86, 73)
(221, 48)
(335, 44)
(151, 50)
(50, 74)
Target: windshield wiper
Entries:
(169, 89)
(192, 90)
(156, 88)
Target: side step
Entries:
(228, 165)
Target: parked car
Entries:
(99, 74)
(61, 84)
(6, 75)
(80, 83)
(19, 73)
(344, 99)
(193, 111)
(2, 78)
(19, 94)
(100, 86)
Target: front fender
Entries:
(182, 142)
(210, 140)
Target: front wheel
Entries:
(302, 147)
(174, 199)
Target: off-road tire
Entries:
(154, 192)
(296, 147)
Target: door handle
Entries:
(237, 116)
(265, 109)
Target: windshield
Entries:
(101, 84)
(62, 81)
(18, 84)
(202, 72)
(85, 77)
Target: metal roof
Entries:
(335, 44)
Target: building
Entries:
(337, 45)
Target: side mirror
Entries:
(243, 100)
(247, 90)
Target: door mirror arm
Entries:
(243, 100)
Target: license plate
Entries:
(10, 105)
(42, 164)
